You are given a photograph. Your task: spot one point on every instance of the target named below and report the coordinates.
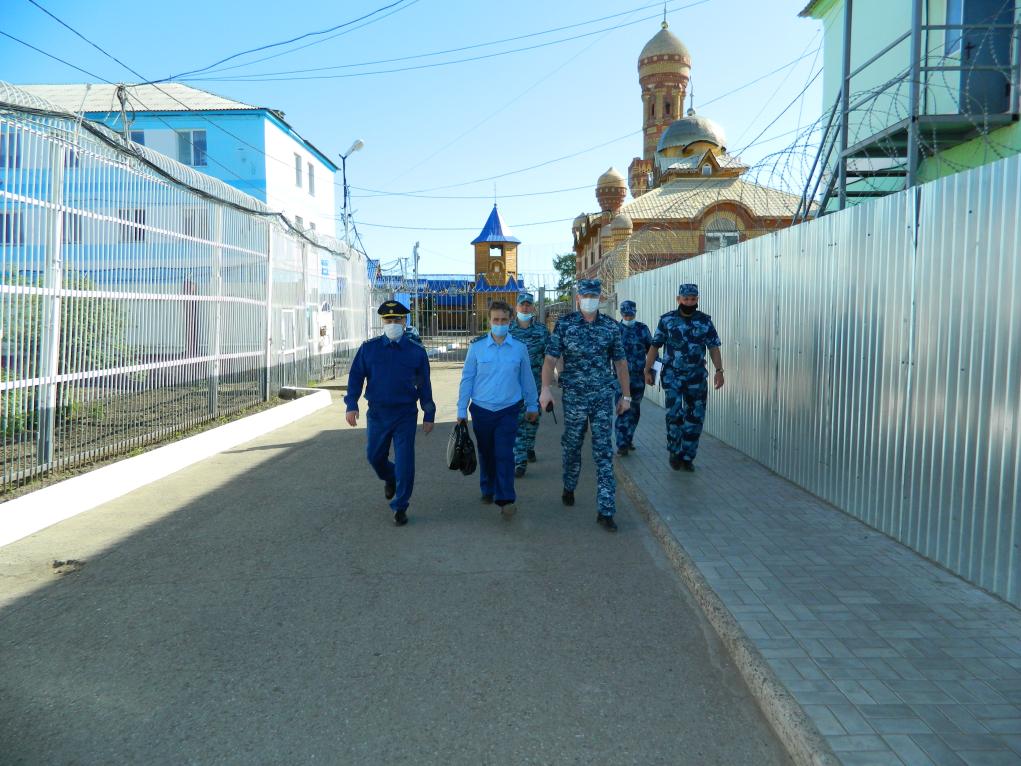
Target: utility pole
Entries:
(416, 315)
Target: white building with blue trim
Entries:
(252, 148)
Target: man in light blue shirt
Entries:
(496, 379)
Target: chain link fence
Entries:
(139, 298)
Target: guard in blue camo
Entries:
(685, 335)
(637, 340)
(591, 348)
(533, 334)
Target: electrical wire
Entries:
(276, 45)
(455, 50)
(272, 77)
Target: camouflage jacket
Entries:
(535, 337)
(637, 340)
(684, 341)
(588, 350)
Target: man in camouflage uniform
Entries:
(637, 340)
(529, 331)
(685, 335)
(592, 350)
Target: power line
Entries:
(380, 193)
(460, 228)
(463, 47)
(273, 76)
(277, 45)
(55, 58)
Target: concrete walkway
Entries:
(896, 660)
(261, 607)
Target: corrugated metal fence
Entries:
(879, 371)
(139, 298)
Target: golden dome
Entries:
(612, 177)
(621, 221)
(689, 130)
(664, 43)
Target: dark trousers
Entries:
(397, 425)
(494, 437)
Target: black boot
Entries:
(568, 497)
(531, 456)
(519, 470)
(606, 522)
(401, 518)
(675, 462)
(390, 489)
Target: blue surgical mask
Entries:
(589, 305)
(524, 317)
(628, 322)
(393, 331)
(499, 330)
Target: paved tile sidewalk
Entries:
(896, 660)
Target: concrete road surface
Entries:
(261, 608)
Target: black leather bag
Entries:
(461, 450)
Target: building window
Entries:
(10, 148)
(191, 147)
(72, 229)
(721, 232)
(297, 170)
(133, 228)
(666, 108)
(311, 180)
(195, 222)
(955, 15)
(652, 109)
(299, 222)
(138, 137)
(312, 226)
(11, 232)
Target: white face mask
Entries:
(628, 322)
(393, 331)
(524, 317)
(589, 305)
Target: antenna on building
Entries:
(691, 98)
(664, 14)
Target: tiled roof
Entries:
(167, 97)
(687, 198)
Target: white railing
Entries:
(139, 298)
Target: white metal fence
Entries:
(878, 369)
(139, 298)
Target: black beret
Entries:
(393, 309)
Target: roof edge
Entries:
(817, 9)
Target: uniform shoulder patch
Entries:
(476, 340)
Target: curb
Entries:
(45, 507)
(797, 732)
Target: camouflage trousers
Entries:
(582, 408)
(525, 439)
(628, 422)
(685, 413)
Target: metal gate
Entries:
(446, 314)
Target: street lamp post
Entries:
(358, 144)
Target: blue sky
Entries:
(443, 126)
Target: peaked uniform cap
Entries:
(629, 307)
(687, 289)
(526, 298)
(393, 309)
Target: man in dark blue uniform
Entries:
(637, 340)
(395, 372)
(685, 335)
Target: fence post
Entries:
(540, 313)
(213, 316)
(53, 282)
(267, 383)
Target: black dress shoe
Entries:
(390, 489)
(687, 465)
(519, 471)
(606, 522)
(675, 462)
(401, 518)
(622, 451)
(568, 497)
(487, 499)
(531, 456)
